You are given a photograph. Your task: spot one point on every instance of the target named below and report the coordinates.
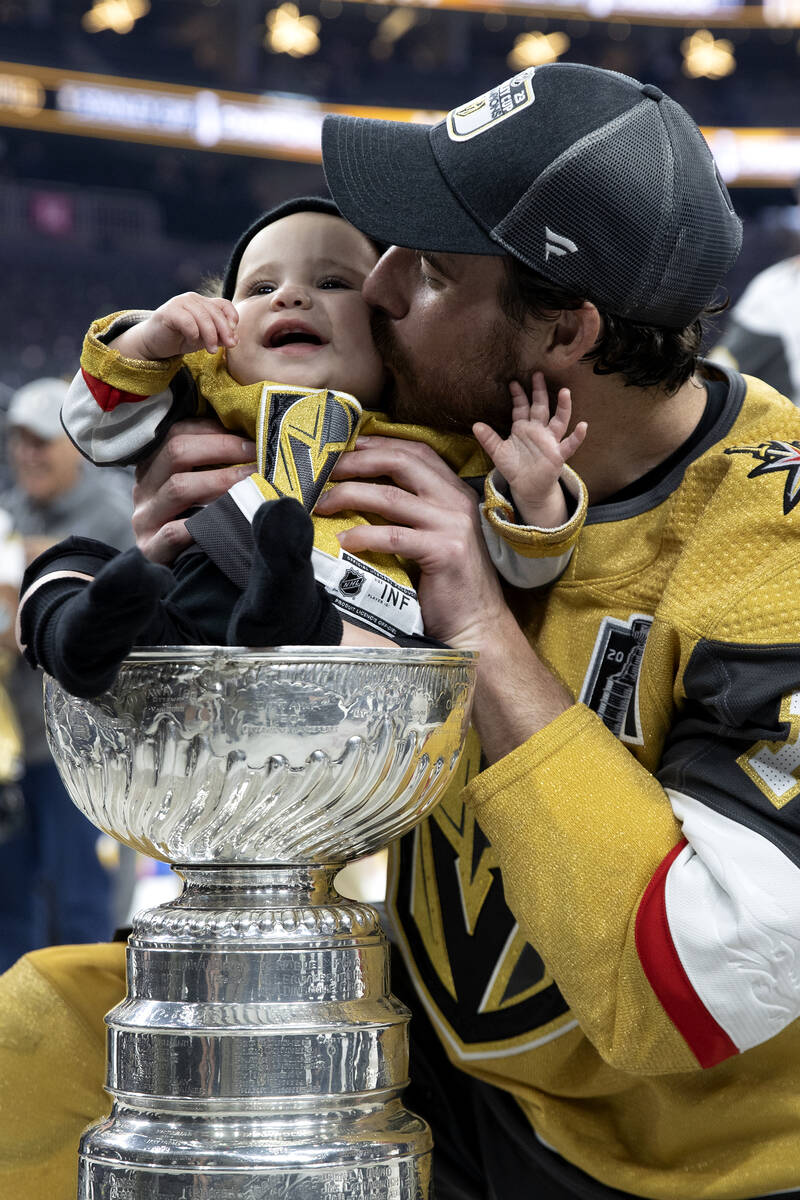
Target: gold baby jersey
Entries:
(119, 409)
(606, 922)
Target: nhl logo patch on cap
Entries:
(487, 110)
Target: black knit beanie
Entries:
(288, 208)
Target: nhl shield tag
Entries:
(351, 582)
(611, 686)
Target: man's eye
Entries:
(333, 281)
(425, 272)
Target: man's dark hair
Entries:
(644, 355)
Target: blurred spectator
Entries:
(762, 336)
(12, 563)
(53, 887)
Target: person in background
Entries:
(762, 334)
(53, 887)
(12, 565)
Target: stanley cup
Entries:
(259, 1054)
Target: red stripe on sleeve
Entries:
(108, 397)
(707, 1040)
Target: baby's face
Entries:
(302, 319)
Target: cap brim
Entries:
(41, 427)
(385, 179)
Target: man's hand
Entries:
(182, 325)
(199, 461)
(432, 518)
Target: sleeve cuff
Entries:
(530, 541)
(136, 375)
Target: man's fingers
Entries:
(165, 545)
(178, 478)
(191, 444)
(386, 539)
(380, 499)
(411, 465)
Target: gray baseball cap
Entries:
(601, 184)
(36, 406)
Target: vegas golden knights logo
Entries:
(300, 436)
(485, 980)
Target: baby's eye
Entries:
(333, 281)
(262, 289)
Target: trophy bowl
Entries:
(212, 756)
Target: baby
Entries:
(280, 357)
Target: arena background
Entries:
(137, 137)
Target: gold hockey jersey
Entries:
(606, 923)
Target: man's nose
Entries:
(291, 295)
(386, 286)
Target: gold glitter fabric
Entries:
(516, 901)
(52, 1063)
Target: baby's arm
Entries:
(532, 458)
(125, 397)
(182, 325)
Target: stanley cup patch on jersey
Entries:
(300, 435)
(611, 685)
(487, 110)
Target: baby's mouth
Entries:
(294, 337)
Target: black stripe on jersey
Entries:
(734, 700)
(223, 531)
(474, 957)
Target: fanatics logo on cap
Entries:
(503, 101)
(557, 244)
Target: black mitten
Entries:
(80, 632)
(283, 605)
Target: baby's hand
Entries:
(185, 323)
(532, 456)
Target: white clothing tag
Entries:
(362, 590)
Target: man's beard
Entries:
(451, 396)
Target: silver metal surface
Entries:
(259, 1054)
(208, 756)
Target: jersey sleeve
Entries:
(525, 555)
(665, 896)
(118, 409)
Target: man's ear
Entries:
(571, 335)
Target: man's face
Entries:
(448, 346)
(44, 469)
(302, 318)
